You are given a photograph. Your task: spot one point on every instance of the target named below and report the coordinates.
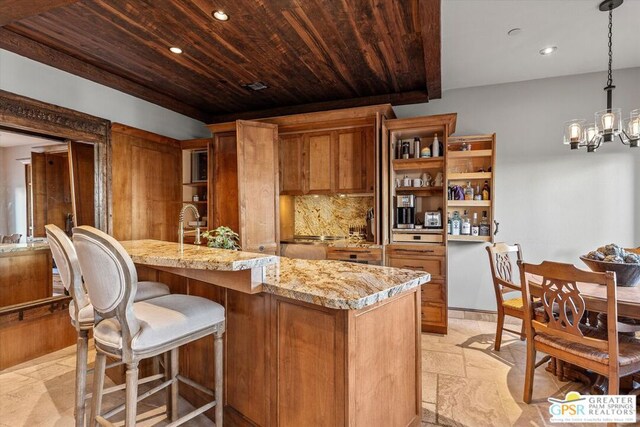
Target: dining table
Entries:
(595, 298)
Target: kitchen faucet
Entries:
(181, 224)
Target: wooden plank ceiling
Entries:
(312, 54)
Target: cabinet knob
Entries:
(261, 248)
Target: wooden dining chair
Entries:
(561, 334)
(503, 283)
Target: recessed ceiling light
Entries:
(175, 49)
(220, 15)
(514, 31)
(548, 50)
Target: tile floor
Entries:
(465, 383)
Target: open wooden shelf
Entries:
(418, 191)
(468, 176)
(469, 203)
(200, 202)
(416, 164)
(477, 239)
(195, 184)
(470, 153)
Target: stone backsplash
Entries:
(329, 215)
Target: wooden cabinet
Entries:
(244, 180)
(319, 162)
(292, 161)
(368, 255)
(328, 162)
(355, 161)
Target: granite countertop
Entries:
(22, 247)
(332, 284)
(337, 284)
(167, 254)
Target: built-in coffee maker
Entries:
(406, 211)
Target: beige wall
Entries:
(558, 204)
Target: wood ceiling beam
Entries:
(14, 10)
(401, 98)
(38, 52)
(429, 12)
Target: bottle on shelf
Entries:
(486, 192)
(405, 149)
(416, 148)
(475, 227)
(465, 229)
(468, 191)
(435, 147)
(478, 194)
(448, 222)
(484, 229)
(456, 224)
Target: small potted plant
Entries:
(222, 238)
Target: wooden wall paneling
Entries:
(291, 164)
(26, 276)
(320, 162)
(223, 182)
(385, 389)
(248, 357)
(311, 364)
(258, 186)
(31, 337)
(147, 184)
(39, 191)
(82, 171)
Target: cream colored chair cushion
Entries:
(163, 320)
(145, 291)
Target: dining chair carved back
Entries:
(505, 281)
(560, 332)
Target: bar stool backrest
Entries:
(64, 254)
(110, 277)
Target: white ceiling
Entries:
(476, 50)
(11, 139)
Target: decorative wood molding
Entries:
(431, 42)
(27, 114)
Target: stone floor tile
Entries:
(443, 363)
(429, 387)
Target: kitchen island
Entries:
(308, 343)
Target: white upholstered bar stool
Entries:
(80, 308)
(132, 332)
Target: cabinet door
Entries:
(319, 162)
(355, 159)
(257, 145)
(292, 161)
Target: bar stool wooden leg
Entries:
(530, 372)
(218, 368)
(82, 351)
(98, 385)
(167, 376)
(131, 400)
(173, 371)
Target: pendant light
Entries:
(608, 124)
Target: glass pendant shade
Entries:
(590, 133)
(609, 122)
(574, 132)
(633, 129)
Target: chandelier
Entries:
(608, 123)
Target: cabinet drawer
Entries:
(417, 250)
(433, 313)
(417, 237)
(433, 265)
(355, 254)
(433, 292)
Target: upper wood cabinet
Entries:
(292, 164)
(328, 162)
(355, 161)
(244, 184)
(319, 162)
